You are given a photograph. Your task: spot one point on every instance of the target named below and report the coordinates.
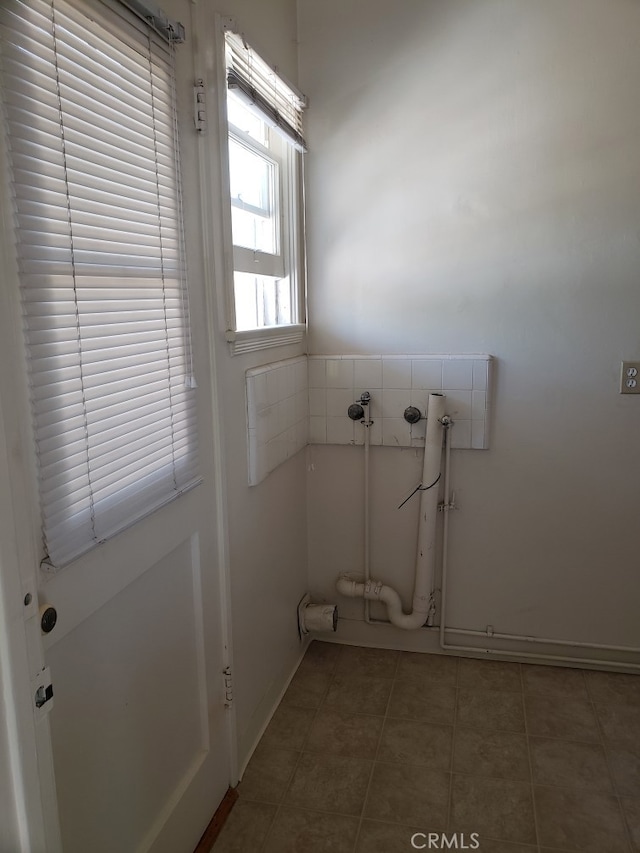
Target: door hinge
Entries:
(199, 106)
(228, 687)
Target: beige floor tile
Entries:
(415, 701)
(489, 674)
(612, 687)
(299, 831)
(320, 657)
(307, 689)
(268, 774)
(586, 821)
(359, 694)
(357, 660)
(341, 733)
(569, 764)
(329, 783)
(288, 728)
(558, 681)
(572, 719)
(624, 762)
(376, 837)
(490, 709)
(414, 796)
(631, 811)
(497, 808)
(428, 669)
(483, 753)
(411, 742)
(245, 828)
(620, 723)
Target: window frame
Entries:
(292, 230)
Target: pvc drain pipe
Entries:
(424, 582)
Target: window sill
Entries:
(258, 339)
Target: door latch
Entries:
(43, 692)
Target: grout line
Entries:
(531, 783)
(614, 787)
(377, 752)
(282, 803)
(453, 743)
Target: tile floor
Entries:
(369, 746)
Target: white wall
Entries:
(266, 523)
(474, 185)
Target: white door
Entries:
(139, 732)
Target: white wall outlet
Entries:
(630, 377)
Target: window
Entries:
(89, 100)
(265, 143)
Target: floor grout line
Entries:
(614, 787)
(335, 673)
(377, 752)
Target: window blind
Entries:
(262, 88)
(89, 101)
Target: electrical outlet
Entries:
(630, 377)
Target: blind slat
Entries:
(89, 95)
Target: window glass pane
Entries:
(246, 120)
(253, 179)
(261, 301)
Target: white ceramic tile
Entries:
(394, 402)
(253, 458)
(273, 387)
(375, 405)
(396, 373)
(339, 430)
(263, 426)
(426, 374)
(457, 374)
(458, 404)
(367, 374)
(480, 370)
(395, 432)
(317, 402)
(478, 435)
(339, 373)
(317, 430)
(300, 375)
(338, 402)
(317, 373)
(418, 432)
(287, 413)
(286, 381)
(252, 408)
(478, 404)
(461, 434)
(301, 400)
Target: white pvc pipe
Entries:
(500, 636)
(372, 590)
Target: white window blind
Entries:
(89, 101)
(264, 89)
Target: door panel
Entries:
(131, 705)
(139, 729)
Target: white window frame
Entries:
(291, 260)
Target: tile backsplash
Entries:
(394, 383)
(305, 400)
(277, 414)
